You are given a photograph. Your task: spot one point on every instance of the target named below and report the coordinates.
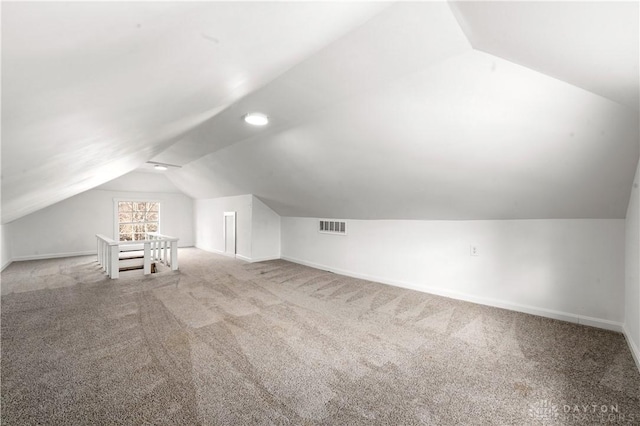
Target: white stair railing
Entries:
(157, 247)
(108, 255)
(164, 249)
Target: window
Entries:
(135, 218)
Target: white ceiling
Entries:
(592, 44)
(149, 181)
(92, 90)
(473, 137)
(390, 45)
(413, 111)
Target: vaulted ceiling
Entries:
(430, 110)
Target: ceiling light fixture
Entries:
(162, 166)
(256, 119)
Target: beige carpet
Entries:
(226, 342)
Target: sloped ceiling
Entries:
(138, 181)
(92, 90)
(411, 111)
(593, 45)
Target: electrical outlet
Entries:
(474, 251)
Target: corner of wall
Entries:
(5, 265)
(635, 351)
(6, 250)
(266, 232)
(632, 270)
(209, 214)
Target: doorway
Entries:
(229, 232)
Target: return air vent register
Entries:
(332, 227)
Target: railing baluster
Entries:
(174, 255)
(154, 244)
(108, 262)
(147, 258)
(156, 248)
(166, 259)
(115, 261)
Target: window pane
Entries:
(125, 233)
(138, 234)
(136, 218)
(124, 217)
(139, 216)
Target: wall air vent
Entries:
(332, 227)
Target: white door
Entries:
(230, 234)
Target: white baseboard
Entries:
(210, 250)
(259, 259)
(239, 256)
(222, 253)
(632, 347)
(547, 313)
(5, 265)
(265, 259)
(58, 255)
(54, 255)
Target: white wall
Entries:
(632, 271)
(257, 227)
(69, 227)
(6, 253)
(566, 269)
(265, 232)
(209, 222)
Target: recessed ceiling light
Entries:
(162, 166)
(256, 119)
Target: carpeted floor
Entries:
(223, 342)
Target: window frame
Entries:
(116, 211)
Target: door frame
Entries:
(224, 234)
